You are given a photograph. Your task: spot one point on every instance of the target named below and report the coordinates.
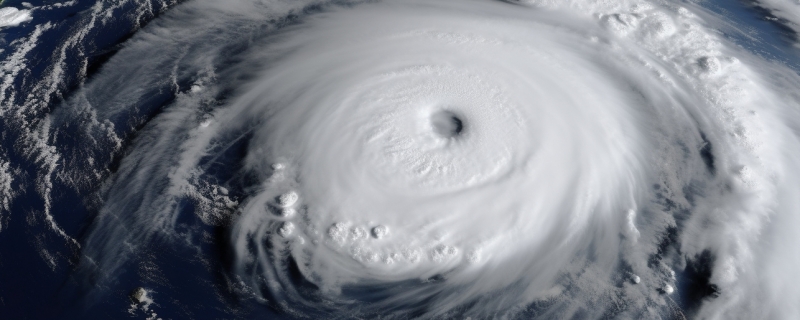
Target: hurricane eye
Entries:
(447, 124)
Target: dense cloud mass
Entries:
(418, 159)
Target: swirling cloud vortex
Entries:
(489, 159)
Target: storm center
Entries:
(446, 124)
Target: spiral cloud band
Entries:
(506, 150)
(449, 159)
(482, 146)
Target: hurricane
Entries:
(400, 159)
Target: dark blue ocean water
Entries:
(32, 288)
(184, 283)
